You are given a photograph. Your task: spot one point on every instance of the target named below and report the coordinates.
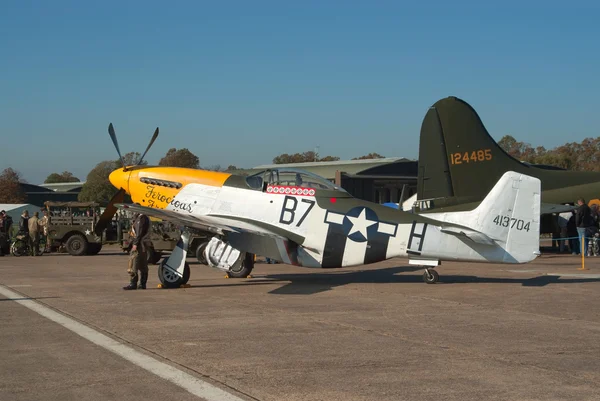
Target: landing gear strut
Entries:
(174, 271)
(431, 276)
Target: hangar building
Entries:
(62, 192)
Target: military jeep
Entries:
(71, 227)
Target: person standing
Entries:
(44, 222)
(584, 223)
(563, 219)
(24, 227)
(34, 234)
(138, 257)
(6, 222)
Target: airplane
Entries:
(299, 218)
(459, 163)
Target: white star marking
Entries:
(360, 223)
(87, 232)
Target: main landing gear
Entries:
(174, 271)
(431, 276)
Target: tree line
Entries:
(576, 156)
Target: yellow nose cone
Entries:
(120, 179)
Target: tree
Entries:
(97, 187)
(65, 176)
(370, 156)
(10, 187)
(180, 158)
(232, 167)
(131, 159)
(584, 156)
(309, 156)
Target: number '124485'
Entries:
(471, 157)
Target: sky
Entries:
(239, 82)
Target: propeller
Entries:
(118, 197)
(109, 212)
(149, 145)
(113, 136)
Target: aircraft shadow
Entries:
(308, 284)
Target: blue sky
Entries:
(240, 82)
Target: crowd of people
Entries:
(32, 227)
(583, 222)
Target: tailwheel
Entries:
(170, 278)
(431, 276)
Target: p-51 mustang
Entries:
(302, 219)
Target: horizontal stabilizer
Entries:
(473, 235)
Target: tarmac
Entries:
(378, 332)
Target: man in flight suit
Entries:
(138, 258)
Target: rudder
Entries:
(457, 155)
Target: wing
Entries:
(217, 224)
(556, 208)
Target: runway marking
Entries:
(18, 285)
(178, 377)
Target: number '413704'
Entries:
(506, 221)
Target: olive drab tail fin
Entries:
(458, 158)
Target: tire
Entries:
(245, 267)
(200, 253)
(18, 248)
(94, 248)
(434, 278)
(172, 280)
(153, 256)
(77, 245)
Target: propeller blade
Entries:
(149, 145)
(113, 136)
(109, 212)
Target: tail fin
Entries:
(508, 217)
(457, 155)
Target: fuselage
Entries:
(306, 219)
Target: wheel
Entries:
(244, 269)
(200, 253)
(431, 276)
(77, 245)
(171, 280)
(18, 248)
(153, 256)
(94, 248)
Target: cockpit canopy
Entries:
(290, 177)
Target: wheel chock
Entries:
(226, 275)
(249, 276)
(185, 286)
(159, 286)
